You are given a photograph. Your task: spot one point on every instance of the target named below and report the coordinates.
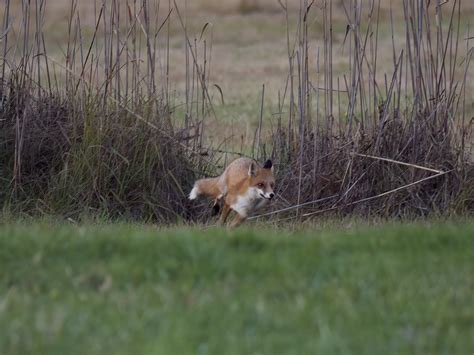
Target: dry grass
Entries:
(411, 112)
(197, 76)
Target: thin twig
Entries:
(382, 194)
(293, 207)
(398, 162)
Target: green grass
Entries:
(128, 289)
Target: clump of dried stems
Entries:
(97, 134)
(393, 143)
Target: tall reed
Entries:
(93, 133)
(391, 143)
(100, 132)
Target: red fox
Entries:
(244, 186)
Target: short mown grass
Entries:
(131, 289)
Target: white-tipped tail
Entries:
(194, 193)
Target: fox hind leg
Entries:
(216, 207)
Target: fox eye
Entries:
(261, 185)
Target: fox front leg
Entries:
(237, 220)
(224, 214)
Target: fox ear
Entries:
(268, 165)
(252, 169)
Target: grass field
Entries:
(131, 289)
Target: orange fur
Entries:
(244, 186)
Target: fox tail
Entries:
(205, 187)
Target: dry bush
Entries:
(334, 166)
(95, 138)
(394, 145)
(99, 135)
(59, 160)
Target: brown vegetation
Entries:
(120, 128)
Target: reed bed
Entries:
(103, 133)
(391, 143)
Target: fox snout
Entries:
(267, 195)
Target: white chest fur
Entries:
(248, 203)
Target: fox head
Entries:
(262, 179)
